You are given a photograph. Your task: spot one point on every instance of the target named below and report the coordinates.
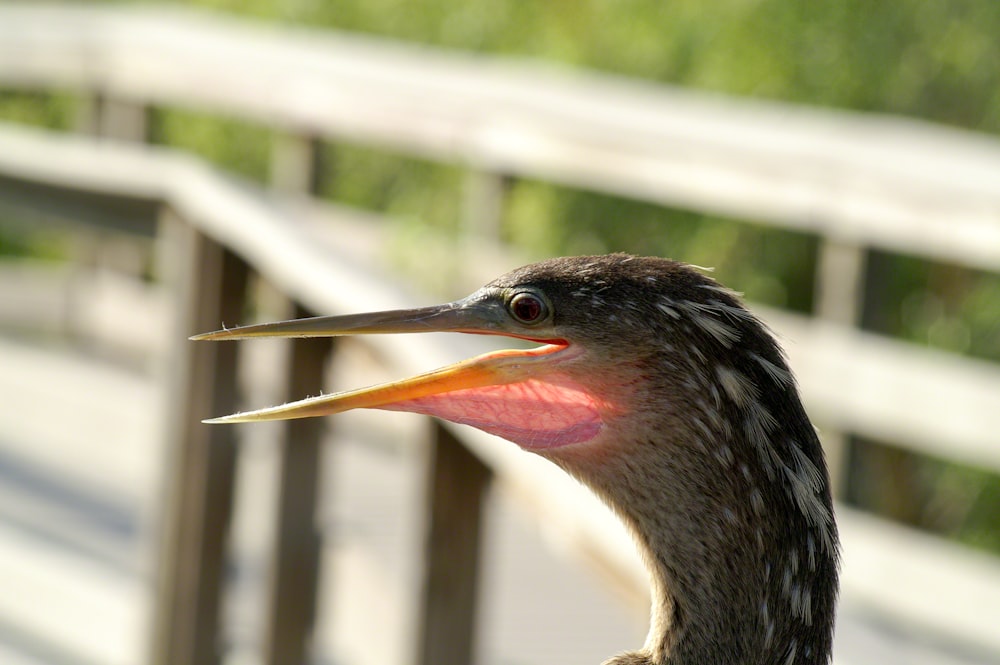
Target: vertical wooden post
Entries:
(883, 478)
(840, 282)
(482, 209)
(201, 458)
(481, 225)
(456, 491)
(839, 299)
(291, 609)
(296, 168)
(108, 117)
(297, 164)
(104, 117)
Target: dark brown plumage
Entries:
(666, 397)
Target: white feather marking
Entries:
(723, 333)
(806, 482)
(706, 432)
(668, 309)
(805, 468)
(719, 288)
(696, 352)
(779, 375)
(805, 608)
(737, 386)
(757, 426)
(736, 313)
(716, 397)
(725, 456)
(770, 461)
(793, 648)
(811, 550)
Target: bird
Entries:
(655, 386)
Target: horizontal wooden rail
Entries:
(838, 368)
(936, 402)
(881, 182)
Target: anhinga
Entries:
(656, 388)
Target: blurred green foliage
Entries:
(235, 145)
(48, 110)
(936, 61)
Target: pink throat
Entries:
(535, 414)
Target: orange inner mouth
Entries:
(521, 395)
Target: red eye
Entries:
(527, 308)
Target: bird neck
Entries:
(740, 573)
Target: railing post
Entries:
(482, 209)
(481, 233)
(108, 117)
(296, 169)
(457, 484)
(839, 298)
(896, 491)
(201, 458)
(297, 164)
(291, 609)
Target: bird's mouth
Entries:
(524, 395)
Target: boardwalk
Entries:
(79, 480)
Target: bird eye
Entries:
(527, 308)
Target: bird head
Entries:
(609, 328)
(559, 393)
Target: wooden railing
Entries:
(858, 182)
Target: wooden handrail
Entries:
(291, 250)
(889, 183)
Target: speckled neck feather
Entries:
(660, 391)
(716, 468)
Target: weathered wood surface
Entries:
(457, 482)
(211, 282)
(291, 613)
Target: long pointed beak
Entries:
(471, 315)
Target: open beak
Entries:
(479, 315)
(524, 395)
